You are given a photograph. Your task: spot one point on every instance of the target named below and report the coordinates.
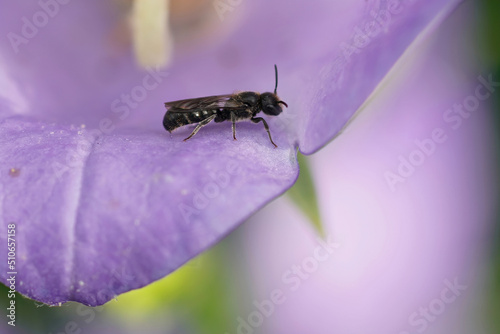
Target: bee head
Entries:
(271, 104)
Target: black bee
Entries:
(220, 108)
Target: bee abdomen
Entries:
(174, 120)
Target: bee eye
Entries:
(272, 109)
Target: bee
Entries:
(219, 108)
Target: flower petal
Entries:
(98, 216)
(403, 238)
(366, 48)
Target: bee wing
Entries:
(203, 103)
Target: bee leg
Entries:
(200, 125)
(233, 120)
(260, 119)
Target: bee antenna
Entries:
(276, 73)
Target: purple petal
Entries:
(100, 216)
(399, 245)
(99, 213)
(305, 53)
(345, 75)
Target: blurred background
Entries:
(422, 258)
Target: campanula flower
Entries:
(103, 199)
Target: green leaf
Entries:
(303, 194)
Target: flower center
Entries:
(155, 22)
(151, 32)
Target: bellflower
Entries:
(403, 254)
(103, 199)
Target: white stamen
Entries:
(151, 32)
